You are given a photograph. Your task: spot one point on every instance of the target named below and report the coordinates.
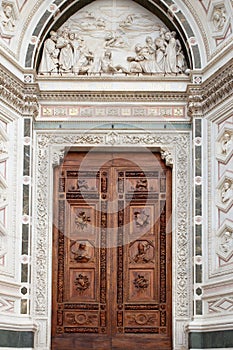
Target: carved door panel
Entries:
(112, 252)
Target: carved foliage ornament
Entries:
(176, 141)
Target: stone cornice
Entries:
(19, 96)
(215, 90)
(109, 96)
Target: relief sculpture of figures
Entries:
(7, 17)
(226, 242)
(226, 143)
(91, 43)
(141, 256)
(226, 192)
(49, 61)
(219, 18)
(81, 254)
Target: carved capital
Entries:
(167, 156)
(195, 100)
(57, 157)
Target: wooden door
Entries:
(112, 252)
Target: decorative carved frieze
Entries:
(83, 111)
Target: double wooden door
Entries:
(112, 252)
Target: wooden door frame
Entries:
(175, 149)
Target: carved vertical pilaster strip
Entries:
(61, 250)
(103, 252)
(162, 251)
(120, 249)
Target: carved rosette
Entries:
(46, 143)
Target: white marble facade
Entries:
(114, 74)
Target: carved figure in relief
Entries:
(180, 59)
(170, 54)
(141, 257)
(219, 18)
(114, 39)
(7, 17)
(141, 185)
(226, 192)
(82, 283)
(161, 54)
(49, 61)
(226, 242)
(106, 64)
(141, 218)
(226, 143)
(82, 220)
(83, 57)
(81, 254)
(66, 56)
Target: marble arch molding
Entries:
(166, 11)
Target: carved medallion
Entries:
(141, 252)
(81, 251)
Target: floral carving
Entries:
(82, 283)
(82, 220)
(141, 282)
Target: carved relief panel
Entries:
(143, 280)
(111, 251)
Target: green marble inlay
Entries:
(25, 235)
(27, 127)
(26, 165)
(198, 230)
(208, 340)
(197, 160)
(198, 128)
(198, 273)
(12, 339)
(198, 203)
(24, 273)
(198, 307)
